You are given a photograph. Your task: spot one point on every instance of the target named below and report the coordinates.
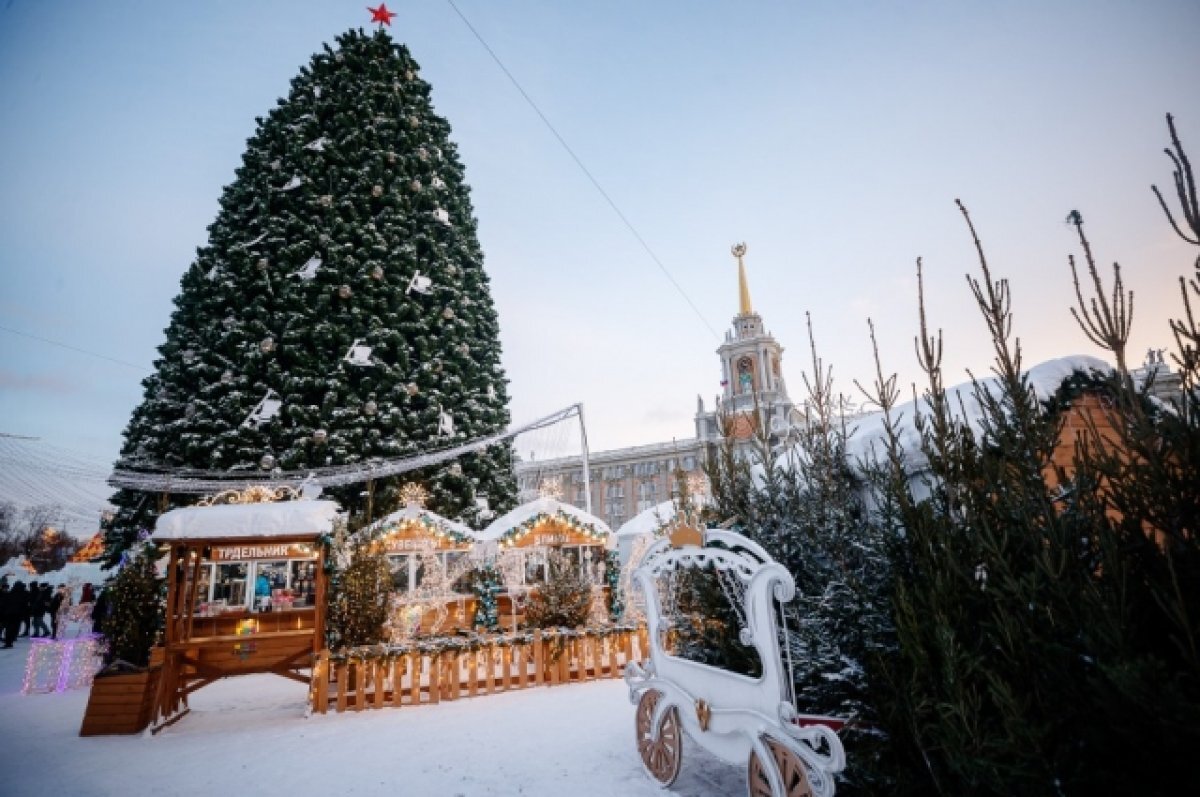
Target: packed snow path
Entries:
(248, 735)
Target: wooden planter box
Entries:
(121, 703)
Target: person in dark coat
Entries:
(100, 611)
(61, 596)
(16, 609)
(27, 621)
(39, 604)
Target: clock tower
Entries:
(753, 387)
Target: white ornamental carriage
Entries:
(738, 718)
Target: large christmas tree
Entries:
(344, 280)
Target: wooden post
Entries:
(380, 680)
(341, 687)
(538, 657)
(564, 660)
(414, 683)
(435, 677)
(398, 680)
(319, 611)
(323, 682)
(472, 672)
(490, 677)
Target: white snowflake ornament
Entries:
(359, 354)
(309, 269)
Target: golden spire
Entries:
(744, 308)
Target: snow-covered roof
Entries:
(651, 520)
(648, 521)
(868, 438)
(418, 513)
(540, 506)
(245, 521)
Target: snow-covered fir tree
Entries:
(340, 310)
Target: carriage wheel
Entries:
(791, 772)
(661, 755)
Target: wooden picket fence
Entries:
(378, 679)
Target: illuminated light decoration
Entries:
(551, 488)
(697, 485)
(156, 478)
(427, 523)
(252, 495)
(413, 494)
(58, 665)
(560, 518)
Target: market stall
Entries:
(429, 557)
(245, 592)
(524, 538)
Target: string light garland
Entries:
(561, 518)
(194, 481)
(57, 665)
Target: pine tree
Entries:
(134, 604)
(358, 606)
(349, 221)
(564, 600)
(486, 585)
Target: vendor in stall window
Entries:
(262, 589)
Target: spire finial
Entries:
(744, 308)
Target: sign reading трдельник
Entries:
(242, 553)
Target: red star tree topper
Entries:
(381, 14)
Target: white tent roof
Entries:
(541, 506)
(649, 520)
(282, 519)
(414, 512)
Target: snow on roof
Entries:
(868, 440)
(651, 520)
(280, 519)
(648, 521)
(541, 506)
(415, 512)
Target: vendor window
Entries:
(304, 583)
(229, 587)
(270, 581)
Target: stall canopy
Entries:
(515, 527)
(233, 521)
(418, 518)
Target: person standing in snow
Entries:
(58, 608)
(39, 604)
(16, 609)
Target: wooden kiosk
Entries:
(524, 536)
(428, 555)
(245, 592)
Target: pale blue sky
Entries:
(831, 137)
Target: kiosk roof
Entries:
(235, 521)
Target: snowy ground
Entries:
(248, 736)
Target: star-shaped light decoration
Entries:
(381, 14)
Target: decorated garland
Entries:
(513, 535)
(612, 577)
(486, 585)
(432, 525)
(469, 643)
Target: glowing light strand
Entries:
(208, 481)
